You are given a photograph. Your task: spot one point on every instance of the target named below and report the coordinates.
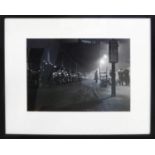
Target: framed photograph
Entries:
(76, 76)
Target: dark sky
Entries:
(85, 53)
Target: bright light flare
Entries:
(102, 61)
(105, 57)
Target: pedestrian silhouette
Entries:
(96, 76)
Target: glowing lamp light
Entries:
(102, 61)
(105, 56)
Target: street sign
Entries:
(113, 51)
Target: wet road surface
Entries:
(80, 96)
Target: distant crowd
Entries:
(123, 77)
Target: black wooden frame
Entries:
(3, 135)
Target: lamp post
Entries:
(103, 61)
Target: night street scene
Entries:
(78, 74)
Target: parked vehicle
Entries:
(48, 75)
(62, 76)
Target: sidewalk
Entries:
(119, 103)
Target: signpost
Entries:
(113, 58)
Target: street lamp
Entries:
(106, 61)
(105, 56)
(103, 61)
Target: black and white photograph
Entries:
(78, 74)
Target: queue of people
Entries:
(123, 77)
